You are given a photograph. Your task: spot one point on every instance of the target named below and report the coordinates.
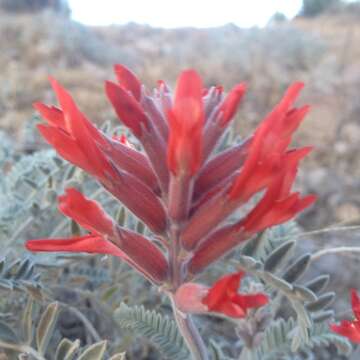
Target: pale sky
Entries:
(178, 13)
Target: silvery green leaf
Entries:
(46, 327)
(322, 302)
(296, 269)
(67, 349)
(323, 316)
(278, 256)
(318, 284)
(94, 352)
(27, 322)
(304, 293)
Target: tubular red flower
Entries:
(127, 108)
(88, 213)
(278, 204)
(140, 199)
(221, 167)
(91, 243)
(268, 147)
(105, 238)
(73, 136)
(350, 329)
(124, 157)
(229, 106)
(266, 155)
(222, 297)
(186, 120)
(128, 80)
(142, 252)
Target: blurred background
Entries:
(268, 44)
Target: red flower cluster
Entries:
(350, 329)
(222, 297)
(178, 186)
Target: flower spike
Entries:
(173, 181)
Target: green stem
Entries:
(336, 250)
(190, 334)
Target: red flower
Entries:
(174, 183)
(350, 329)
(186, 119)
(104, 238)
(85, 212)
(222, 297)
(73, 136)
(260, 161)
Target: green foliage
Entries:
(159, 329)
(278, 337)
(271, 258)
(38, 347)
(20, 275)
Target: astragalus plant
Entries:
(197, 203)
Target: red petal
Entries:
(267, 148)
(66, 146)
(221, 167)
(89, 243)
(224, 288)
(126, 107)
(132, 161)
(347, 329)
(223, 297)
(143, 252)
(52, 115)
(250, 301)
(186, 120)
(87, 213)
(141, 200)
(83, 132)
(216, 246)
(231, 103)
(128, 80)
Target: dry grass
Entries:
(322, 51)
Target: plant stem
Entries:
(190, 334)
(336, 250)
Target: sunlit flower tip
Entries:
(126, 107)
(92, 244)
(231, 103)
(128, 80)
(350, 329)
(223, 297)
(53, 115)
(88, 213)
(186, 119)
